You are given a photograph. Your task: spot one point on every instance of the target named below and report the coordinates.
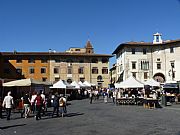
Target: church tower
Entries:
(89, 48)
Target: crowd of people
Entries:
(33, 105)
(37, 102)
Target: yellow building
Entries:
(75, 64)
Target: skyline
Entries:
(33, 26)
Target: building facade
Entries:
(75, 64)
(144, 60)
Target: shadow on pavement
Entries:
(12, 126)
(73, 114)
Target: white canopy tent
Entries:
(87, 83)
(81, 84)
(26, 85)
(60, 84)
(130, 82)
(152, 82)
(24, 82)
(75, 84)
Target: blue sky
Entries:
(38, 25)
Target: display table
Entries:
(125, 101)
(130, 101)
(150, 103)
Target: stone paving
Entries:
(98, 119)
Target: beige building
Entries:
(144, 60)
(75, 64)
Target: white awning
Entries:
(130, 82)
(25, 82)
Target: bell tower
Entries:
(89, 48)
(157, 38)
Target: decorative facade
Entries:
(144, 60)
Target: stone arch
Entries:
(159, 77)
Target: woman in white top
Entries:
(33, 106)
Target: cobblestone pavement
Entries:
(98, 119)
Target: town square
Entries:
(98, 118)
(89, 67)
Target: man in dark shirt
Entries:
(26, 103)
(56, 105)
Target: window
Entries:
(133, 65)
(104, 60)
(19, 60)
(133, 50)
(57, 79)
(158, 65)
(157, 38)
(69, 70)
(158, 59)
(31, 60)
(144, 65)
(172, 65)
(134, 74)
(99, 78)
(94, 60)
(94, 70)
(56, 70)
(145, 75)
(44, 60)
(104, 70)
(57, 60)
(81, 70)
(44, 79)
(144, 51)
(171, 49)
(69, 60)
(43, 70)
(19, 70)
(77, 50)
(31, 70)
(81, 61)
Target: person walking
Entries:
(44, 101)
(105, 94)
(91, 96)
(33, 106)
(8, 104)
(62, 104)
(38, 101)
(114, 96)
(26, 103)
(56, 105)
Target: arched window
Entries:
(99, 78)
(69, 80)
